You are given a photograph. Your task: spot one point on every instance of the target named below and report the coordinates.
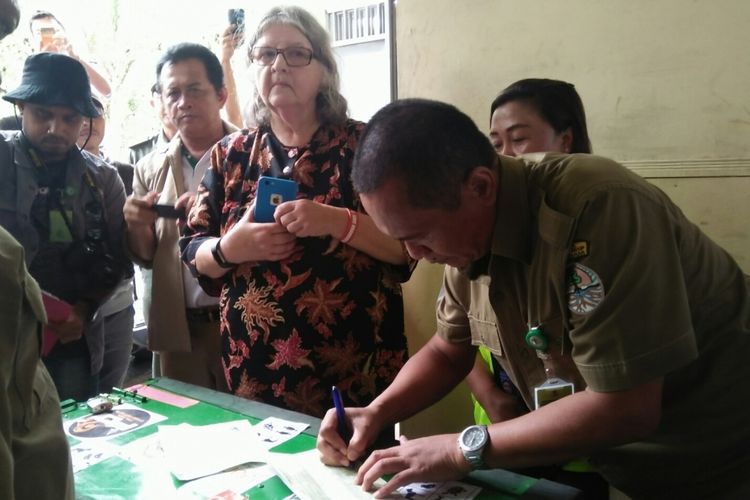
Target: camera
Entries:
(46, 35)
(96, 266)
(99, 404)
(237, 17)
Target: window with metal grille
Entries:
(357, 24)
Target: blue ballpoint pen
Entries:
(340, 415)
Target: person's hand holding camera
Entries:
(140, 217)
(57, 42)
(230, 40)
(138, 212)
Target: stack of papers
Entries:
(214, 459)
(196, 451)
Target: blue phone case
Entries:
(272, 191)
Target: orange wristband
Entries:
(351, 228)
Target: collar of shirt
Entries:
(192, 160)
(512, 232)
(193, 173)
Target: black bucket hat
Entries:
(53, 79)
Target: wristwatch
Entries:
(472, 442)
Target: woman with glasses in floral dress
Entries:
(313, 298)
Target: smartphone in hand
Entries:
(168, 211)
(271, 193)
(237, 17)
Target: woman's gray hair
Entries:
(331, 106)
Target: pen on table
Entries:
(340, 415)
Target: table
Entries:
(119, 478)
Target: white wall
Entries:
(365, 77)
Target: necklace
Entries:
(289, 168)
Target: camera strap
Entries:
(55, 198)
(57, 202)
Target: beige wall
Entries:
(665, 84)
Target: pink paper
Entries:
(162, 396)
(57, 310)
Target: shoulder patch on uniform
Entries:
(585, 289)
(579, 249)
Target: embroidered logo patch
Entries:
(579, 249)
(585, 289)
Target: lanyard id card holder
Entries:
(553, 388)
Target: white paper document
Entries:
(273, 431)
(196, 451)
(310, 479)
(226, 485)
(453, 490)
(85, 454)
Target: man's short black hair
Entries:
(183, 51)
(430, 145)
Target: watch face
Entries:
(474, 437)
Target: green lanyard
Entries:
(535, 338)
(192, 160)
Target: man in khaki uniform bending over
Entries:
(620, 322)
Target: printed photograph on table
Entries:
(122, 419)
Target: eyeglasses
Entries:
(294, 56)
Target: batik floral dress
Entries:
(327, 315)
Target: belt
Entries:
(203, 315)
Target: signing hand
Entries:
(435, 458)
(250, 241)
(333, 450)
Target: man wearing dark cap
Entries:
(65, 208)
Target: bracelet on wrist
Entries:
(219, 257)
(348, 224)
(351, 227)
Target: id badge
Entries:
(552, 390)
(58, 229)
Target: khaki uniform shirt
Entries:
(626, 290)
(34, 454)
